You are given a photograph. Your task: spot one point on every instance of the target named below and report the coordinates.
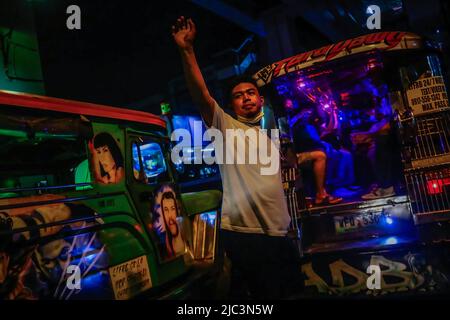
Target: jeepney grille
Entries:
(429, 190)
(288, 177)
(432, 143)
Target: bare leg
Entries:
(319, 168)
(319, 159)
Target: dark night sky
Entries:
(124, 51)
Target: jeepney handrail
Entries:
(60, 200)
(66, 222)
(67, 186)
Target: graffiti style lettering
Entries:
(321, 52)
(393, 39)
(375, 38)
(299, 59)
(408, 280)
(355, 43)
(399, 278)
(336, 49)
(266, 74)
(280, 66)
(313, 279)
(381, 40)
(338, 268)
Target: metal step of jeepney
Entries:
(357, 220)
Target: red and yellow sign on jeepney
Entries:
(381, 41)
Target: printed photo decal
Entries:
(107, 159)
(166, 223)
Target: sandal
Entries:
(327, 200)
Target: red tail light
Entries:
(436, 186)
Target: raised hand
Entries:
(183, 33)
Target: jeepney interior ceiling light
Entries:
(282, 89)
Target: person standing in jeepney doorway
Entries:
(255, 218)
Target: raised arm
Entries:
(183, 33)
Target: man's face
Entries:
(170, 215)
(245, 100)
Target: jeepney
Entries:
(90, 207)
(406, 235)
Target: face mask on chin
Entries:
(254, 120)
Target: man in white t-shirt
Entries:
(255, 218)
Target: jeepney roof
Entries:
(39, 102)
(383, 41)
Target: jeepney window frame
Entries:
(136, 137)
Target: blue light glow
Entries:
(389, 220)
(209, 217)
(391, 241)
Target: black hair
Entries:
(105, 139)
(232, 83)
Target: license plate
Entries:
(355, 222)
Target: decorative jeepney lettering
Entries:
(393, 39)
(313, 279)
(356, 280)
(338, 268)
(279, 66)
(321, 52)
(355, 43)
(336, 49)
(381, 40)
(396, 270)
(299, 59)
(266, 74)
(375, 38)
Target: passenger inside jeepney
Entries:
(310, 149)
(380, 144)
(345, 118)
